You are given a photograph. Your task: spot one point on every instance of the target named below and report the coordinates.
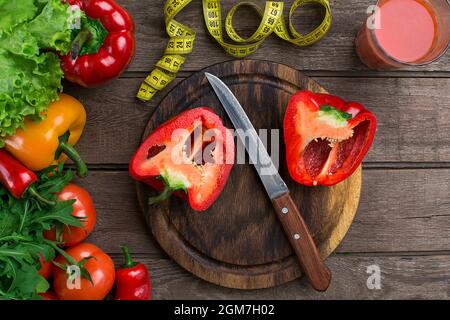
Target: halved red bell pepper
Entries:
(190, 155)
(104, 47)
(326, 137)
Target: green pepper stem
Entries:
(163, 196)
(32, 191)
(129, 263)
(82, 37)
(68, 150)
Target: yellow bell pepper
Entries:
(41, 144)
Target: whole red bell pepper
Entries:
(132, 280)
(104, 47)
(18, 179)
(191, 155)
(326, 137)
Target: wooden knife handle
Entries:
(297, 231)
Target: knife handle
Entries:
(297, 231)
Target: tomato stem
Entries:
(84, 272)
(62, 252)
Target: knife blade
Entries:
(272, 181)
(287, 211)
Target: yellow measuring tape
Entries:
(182, 37)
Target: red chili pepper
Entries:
(132, 280)
(326, 137)
(17, 178)
(191, 154)
(104, 47)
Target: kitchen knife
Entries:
(287, 211)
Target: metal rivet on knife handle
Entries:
(293, 224)
(302, 242)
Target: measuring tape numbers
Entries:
(182, 37)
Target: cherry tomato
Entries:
(100, 267)
(46, 268)
(49, 295)
(82, 208)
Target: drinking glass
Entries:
(375, 56)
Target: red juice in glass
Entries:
(404, 32)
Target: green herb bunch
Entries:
(22, 224)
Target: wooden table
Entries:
(403, 222)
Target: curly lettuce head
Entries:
(30, 73)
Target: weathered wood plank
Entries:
(243, 230)
(335, 52)
(400, 210)
(402, 277)
(412, 113)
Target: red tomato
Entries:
(100, 267)
(83, 208)
(46, 268)
(49, 295)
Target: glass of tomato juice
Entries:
(402, 33)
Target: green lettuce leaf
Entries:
(31, 74)
(29, 87)
(51, 27)
(13, 13)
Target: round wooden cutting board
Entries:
(238, 242)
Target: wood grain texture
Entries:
(238, 242)
(404, 210)
(388, 221)
(412, 117)
(400, 211)
(402, 277)
(335, 52)
(296, 230)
